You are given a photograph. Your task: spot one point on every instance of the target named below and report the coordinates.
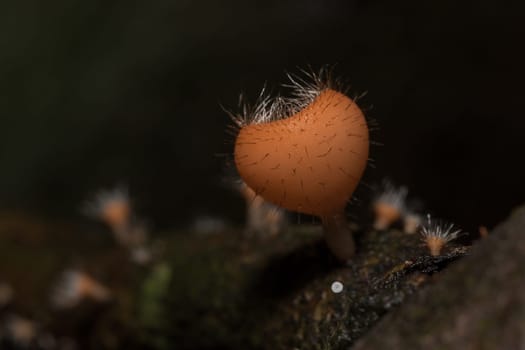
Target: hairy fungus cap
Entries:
(310, 162)
(76, 286)
(436, 234)
(113, 207)
(386, 215)
(116, 213)
(389, 205)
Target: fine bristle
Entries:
(305, 87)
(440, 230)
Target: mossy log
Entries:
(217, 291)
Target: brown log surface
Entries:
(479, 303)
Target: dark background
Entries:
(94, 93)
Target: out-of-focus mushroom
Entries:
(75, 286)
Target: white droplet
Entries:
(337, 287)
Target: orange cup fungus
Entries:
(310, 160)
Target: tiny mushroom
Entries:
(389, 205)
(436, 234)
(75, 286)
(113, 207)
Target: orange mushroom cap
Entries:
(310, 162)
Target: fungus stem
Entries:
(338, 236)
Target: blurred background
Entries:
(96, 93)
